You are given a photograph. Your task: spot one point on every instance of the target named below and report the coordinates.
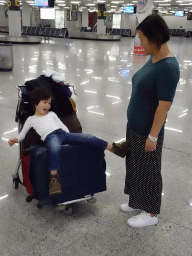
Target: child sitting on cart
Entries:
(54, 133)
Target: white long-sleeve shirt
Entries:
(43, 125)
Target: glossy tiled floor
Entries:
(102, 73)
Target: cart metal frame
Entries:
(65, 206)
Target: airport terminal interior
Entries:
(102, 73)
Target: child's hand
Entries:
(12, 141)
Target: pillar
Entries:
(85, 18)
(14, 16)
(101, 19)
(26, 14)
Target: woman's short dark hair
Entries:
(38, 94)
(155, 29)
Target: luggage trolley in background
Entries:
(84, 167)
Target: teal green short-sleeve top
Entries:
(153, 82)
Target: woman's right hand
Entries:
(12, 141)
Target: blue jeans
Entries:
(55, 139)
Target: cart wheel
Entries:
(40, 205)
(16, 183)
(29, 198)
(68, 211)
(92, 200)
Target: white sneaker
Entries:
(126, 208)
(142, 220)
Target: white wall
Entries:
(36, 17)
(128, 21)
(85, 18)
(74, 24)
(109, 24)
(3, 20)
(26, 13)
(36, 21)
(101, 28)
(14, 23)
(176, 22)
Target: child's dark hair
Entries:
(38, 94)
(155, 29)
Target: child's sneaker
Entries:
(120, 149)
(54, 185)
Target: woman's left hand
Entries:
(150, 145)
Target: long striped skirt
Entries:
(143, 181)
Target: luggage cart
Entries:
(22, 112)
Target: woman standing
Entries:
(153, 90)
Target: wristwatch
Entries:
(152, 138)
